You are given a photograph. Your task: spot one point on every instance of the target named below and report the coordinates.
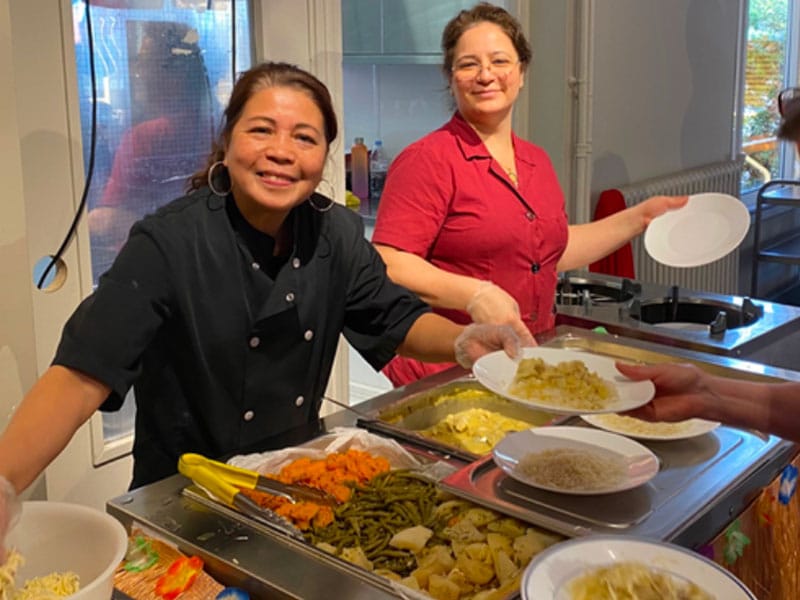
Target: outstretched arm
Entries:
(590, 242)
(686, 391)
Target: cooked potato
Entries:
(463, 530)
(476, 571)
(441, 588)
(357, 557)
(413, 538)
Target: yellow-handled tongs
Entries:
(226, 481)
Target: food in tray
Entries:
(476, 430)
(573, 469)
(402, 527)
(567, 383)
(52, 585)
(632, 580)
(656, 430)
(336, 474)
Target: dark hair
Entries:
(263, 76)
(480, 13)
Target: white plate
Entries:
(548, 575)
(687, 429)
(707, 228)
(641, 463)
(496, 371)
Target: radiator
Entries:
(721, 276)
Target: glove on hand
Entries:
(478, 339)
(492, 304)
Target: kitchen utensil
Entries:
(707, 228)
(497, 370)
(551, 572)
(225, 481)
(639, 463)
(378, 426)
(58, 537)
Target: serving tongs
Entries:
(225, 483)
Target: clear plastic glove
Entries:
(478, 339)
(492, 304)
(10, 508)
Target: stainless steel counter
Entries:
(701, 488)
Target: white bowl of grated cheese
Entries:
(58, 539)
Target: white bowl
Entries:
(57, 536)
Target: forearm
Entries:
(57, 405)
(431, 339)
(436, 287)
(590, 242)
(772, 408)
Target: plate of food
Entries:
(562, 381)
(651, 430)
(575, 460)
(604, 567)
(707, 228)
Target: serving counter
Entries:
(703, 484)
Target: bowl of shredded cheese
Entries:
(60, 550)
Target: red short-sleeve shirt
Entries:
(447, 200)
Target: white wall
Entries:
(664, 87)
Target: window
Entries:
(163, 72)
(770, 66)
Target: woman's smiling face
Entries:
(487, 75)
(276, 155)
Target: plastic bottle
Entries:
(359, 165)
(378, 165)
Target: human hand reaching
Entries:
(10, 508)
(478, 339)
(681, 391)
(492, 304)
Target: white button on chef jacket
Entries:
(299, 401)
(255, 341)
(248, 416)
(308, 335)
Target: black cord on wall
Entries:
(90, 170)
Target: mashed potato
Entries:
(568, 384)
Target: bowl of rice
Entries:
(59, 550)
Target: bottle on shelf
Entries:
(359, 167)
(378, 165)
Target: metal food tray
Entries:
(419, 411)
(693, 472)
(701, 483)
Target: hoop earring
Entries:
(319, 208)
(214, 190)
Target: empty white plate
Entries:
(707, 228)
(496, 372)
(640, 464)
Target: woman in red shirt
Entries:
(472, 217)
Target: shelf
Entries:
(785, 251)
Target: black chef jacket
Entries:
(220, 352)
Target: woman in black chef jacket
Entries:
(223, 310)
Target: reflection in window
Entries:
(163, 72)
